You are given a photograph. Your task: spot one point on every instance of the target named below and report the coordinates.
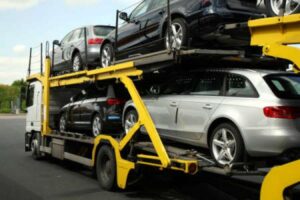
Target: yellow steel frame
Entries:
(275, 34)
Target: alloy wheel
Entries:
(291, 6)
(130, 121)
(106, 56)
(97, 126)
(176, 37)
(62, 124)
(224, 146)
(76, 64)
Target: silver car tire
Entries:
(106, 55)
(63, 123)
(178, 35)
(226, 144)
(77, 63)
(130, 120)
(273, 7)
(97, 125)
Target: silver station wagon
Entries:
(233, 112)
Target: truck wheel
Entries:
(106, 168)
(226, 144)
(35, 147)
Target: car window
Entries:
(239, 86)
(67, 38)
(102, 31)
(76, 35)
(179, 85)
(285, 86)
(159, 4)
(142, 8)
(209, 84)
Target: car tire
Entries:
(106, 168)
(273, 11)
(226, 144)
(179, 26)
(77, 63)
(63, 123)
(35, 146)
(97, 125)
(106, 55)
(130, 120)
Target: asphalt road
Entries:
(21, 177)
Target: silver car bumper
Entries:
(270, 141)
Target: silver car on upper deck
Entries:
(233, 112)
(70, 52)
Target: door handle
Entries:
(208, 107)
(174, 104)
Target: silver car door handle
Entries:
(174, 104)
(208, 107)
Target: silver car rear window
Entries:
(284, 86)
(102, 30)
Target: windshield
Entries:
(102, 30)
(284, 86)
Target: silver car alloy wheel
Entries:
(76, 64)
(62, 124)
(224, 146)
(97, 126)
(176, 37)
(291, 6)
(130, 121)
(106, 57)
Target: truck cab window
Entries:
(30, 96)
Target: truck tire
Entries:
(106, 168)
(35, 146)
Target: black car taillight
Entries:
(282, 112)
(114, 101)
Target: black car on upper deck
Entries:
(194, 23)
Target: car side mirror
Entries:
(124, 16)
(155, 90)
(56, 42)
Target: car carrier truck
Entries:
(114, 157)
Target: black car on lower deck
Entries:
(95, 110)
(194, 23)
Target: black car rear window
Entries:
(284, 86)
(102, 30)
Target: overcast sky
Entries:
(27, 23)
